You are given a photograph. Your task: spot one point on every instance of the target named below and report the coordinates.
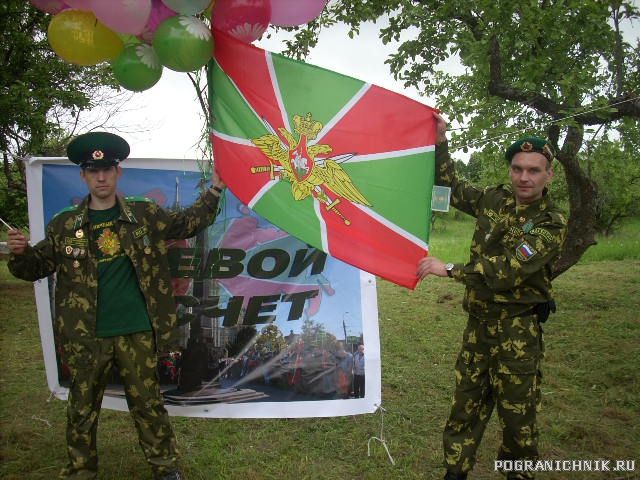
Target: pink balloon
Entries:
(80, 4)
(246, 20)
(289, 13)
(50, 6)
(159, 12)
(124, 16)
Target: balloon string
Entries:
(380, 439)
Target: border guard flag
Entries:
(341, 164)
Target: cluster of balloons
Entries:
(141, 37)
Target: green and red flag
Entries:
(343, 165)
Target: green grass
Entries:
(623, 245)
(591, 390)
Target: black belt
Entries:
(542, 310)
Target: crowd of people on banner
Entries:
(329, 373)
(321, 372)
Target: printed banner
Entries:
(344, 165)
(269, 324)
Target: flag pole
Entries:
(6, 224)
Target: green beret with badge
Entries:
(98, 150)
(531, 144)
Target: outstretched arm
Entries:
(216, 181)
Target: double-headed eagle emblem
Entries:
(307, 166)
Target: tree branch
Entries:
(627, 105)
(500, 89)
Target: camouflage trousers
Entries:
(498, 365)
(135, 357)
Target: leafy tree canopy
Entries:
(40, 100)
(271, 339)
(566, 69)
(37, 84)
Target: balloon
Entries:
(183, 43)
(128, 39)
(187, 7)
(246, 20)
(80, 38)
(124, 16)
(137, 68)
(159, 13)
(80, 4)
(289, 13)
(50, 6)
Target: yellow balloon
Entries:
(78, 37)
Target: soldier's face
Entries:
(102, 182)
(529, 173)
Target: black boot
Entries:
(455, 476)
(172, 476)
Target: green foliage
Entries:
(271, 339)
(315, 335)
(38, 90)
(616, 172)
(13, 204)
(37, 84)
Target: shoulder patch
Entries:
(136, 198)
(541, 232)
(70, 208)
(524, 252)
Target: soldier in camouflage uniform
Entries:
(517, 236)
(113, 299)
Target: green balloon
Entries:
(137, 68)
(183, 43)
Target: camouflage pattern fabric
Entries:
(498, 365)
(507, 275)
(68, 252)
(513, 247)
(136, 359)
(143, 227)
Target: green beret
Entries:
(531, 144)
(97, 150)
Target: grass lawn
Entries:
(591, 390)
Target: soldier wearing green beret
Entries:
(518, 235)
(114, 303)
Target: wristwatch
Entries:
(449, 268)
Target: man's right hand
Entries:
(17, 242)
(430, 266)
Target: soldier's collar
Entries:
(126, 213)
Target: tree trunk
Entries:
(582, 205)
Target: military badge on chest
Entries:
(144, 233)
(108, 242)
(75, 247)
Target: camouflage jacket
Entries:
(513, 247)
(68, 251)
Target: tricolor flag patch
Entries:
(525, 252)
